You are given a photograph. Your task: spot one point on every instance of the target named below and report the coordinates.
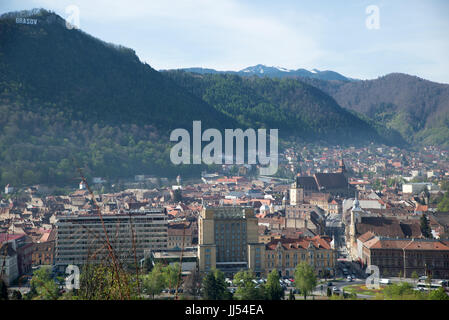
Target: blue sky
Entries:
(234, 34)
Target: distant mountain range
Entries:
(274, 72)
(416, 108)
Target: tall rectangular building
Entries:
(228, 239)
(81, 238)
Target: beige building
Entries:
(228, 240)
(285, 254)
(179, 236)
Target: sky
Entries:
(408, 36)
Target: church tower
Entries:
(296, 193)
(356, 213)
(342, 167)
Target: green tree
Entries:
(214, 286)
(247, 287)
(46, 287)
(415, 276)
(425, 227)
(103, 282)
(172, 275)
(154, 282)
(443, 204)
(438, 294)
(177, 195)
(305, 278)
(399, 291)
(273, 288)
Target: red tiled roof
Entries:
(318, 242)
(8, 237)
(366, 236)
(412, 244)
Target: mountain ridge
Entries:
(261, 70)
(416, 107)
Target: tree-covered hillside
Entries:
(68, 99)
(299, 110)
(417, 108)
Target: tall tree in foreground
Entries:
(305, 278)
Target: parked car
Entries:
(444, 283)
(330, 284)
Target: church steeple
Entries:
(342, 166)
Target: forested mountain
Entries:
(68, 99)
(296, 108)
(417, 108)
(274, 72)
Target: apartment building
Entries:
(82, 238)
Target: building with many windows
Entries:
(228, 240)
(396, 256)
(82, 238)
(285, 254)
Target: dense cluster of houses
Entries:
(370, 204)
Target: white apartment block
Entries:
(81, 238)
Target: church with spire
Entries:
(356, 216)
(334, 183)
